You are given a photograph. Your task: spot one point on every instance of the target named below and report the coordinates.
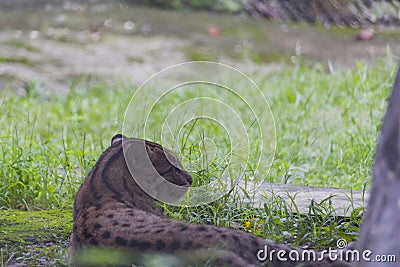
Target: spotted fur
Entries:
(112, 211)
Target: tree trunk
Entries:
(355, 13)
(380, 231)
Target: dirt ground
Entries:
(56, 44)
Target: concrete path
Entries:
(343, 201)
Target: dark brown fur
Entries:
(112, 211)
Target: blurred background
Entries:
(55, 42)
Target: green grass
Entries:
(328, 124)
(326, 130)
(48, 143)
(21, 60)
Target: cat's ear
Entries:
(117, 138)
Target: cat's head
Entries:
(155, 169)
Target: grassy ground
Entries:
(326, 130)
(34, 237)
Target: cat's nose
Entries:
(189, 179)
